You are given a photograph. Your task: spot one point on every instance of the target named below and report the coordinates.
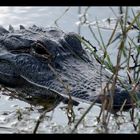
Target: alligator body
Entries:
(52, 64)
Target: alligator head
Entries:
(51, 64)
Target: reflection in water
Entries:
(46, 103)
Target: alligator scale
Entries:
(52, 64)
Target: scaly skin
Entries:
(48, 63)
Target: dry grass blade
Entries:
(40, 119)
(82, 117)
(113, 33)
(101, 38)
(93, 34)
(66, 10)
(132, 23)
(70, 111)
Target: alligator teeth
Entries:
(21, 27)
(11, 28)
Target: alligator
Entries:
(54, 65)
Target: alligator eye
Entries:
(40, 50)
